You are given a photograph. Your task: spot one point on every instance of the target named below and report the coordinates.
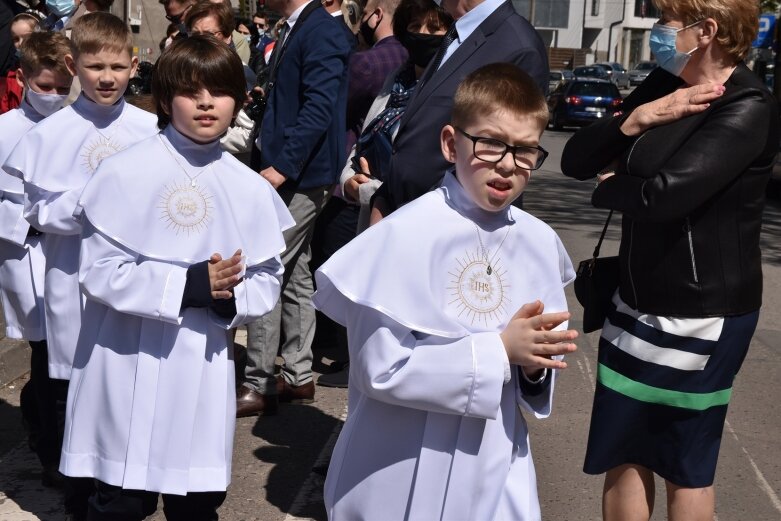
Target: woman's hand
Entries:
(352, 184)
(676, 105)
(530, 343)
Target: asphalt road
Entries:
(278, 461)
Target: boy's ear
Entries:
(20, 77)
(447, 140)
(70, 63)
(133, 66)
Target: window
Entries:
(646, 9)
(594, 7)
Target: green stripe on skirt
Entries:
(647, 393)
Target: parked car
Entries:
(617, 73)
(591, 71)
(557, 76)
(641, 72)
(582, 101)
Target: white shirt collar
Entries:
(293, 18)
(472, 19)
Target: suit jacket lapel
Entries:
(458, 58)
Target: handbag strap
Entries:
(602, 236)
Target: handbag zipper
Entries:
(688, 228)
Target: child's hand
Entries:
(224, 274)
(529, 341)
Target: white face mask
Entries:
(45, 104)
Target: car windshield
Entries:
(586, 88)
(555, 76)
(646, 66)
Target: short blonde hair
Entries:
(98, 31)
(44, 50)
(498, 87)
(738, 20)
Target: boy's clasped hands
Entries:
(530, 341)
(225, 274)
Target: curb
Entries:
(14, 360)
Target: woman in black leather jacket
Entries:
(686, 164)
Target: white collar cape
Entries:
(63, 151)
(423, 267)
(15, 124)
(142, 199)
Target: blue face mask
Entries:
(662, 42)
(61, 7)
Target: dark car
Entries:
(591, 71)
(582, 101)
(617, 74)
(641, 72)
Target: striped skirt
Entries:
(663, 386)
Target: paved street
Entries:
(278, 461)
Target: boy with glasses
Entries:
(444, 352)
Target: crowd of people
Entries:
(357, 169)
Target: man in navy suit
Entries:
(302, 149)
(488, 31)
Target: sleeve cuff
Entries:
(533, 387)
(489, 357)
(538, 380)
(171, 302)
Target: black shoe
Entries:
(338, 379)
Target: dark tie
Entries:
(450, 36)
(276, 54)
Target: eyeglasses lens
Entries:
(493, 151)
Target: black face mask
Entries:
(367, 33)
(422, 47)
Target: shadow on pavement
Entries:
(20, 475)
(296, 436)
(568, 212)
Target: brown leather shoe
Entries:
(251, 403)
(295, 394)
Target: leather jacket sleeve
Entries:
(714, 154)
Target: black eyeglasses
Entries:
(492, 151)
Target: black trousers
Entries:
(77, 490)
(39, 407)
(110, 503)
(336, 226)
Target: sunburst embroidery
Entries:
(479, 294)
(96, 151)
(185, 208)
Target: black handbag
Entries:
(596, 282)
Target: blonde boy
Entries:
(46, 82)
(443, 304)
(59, 156)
